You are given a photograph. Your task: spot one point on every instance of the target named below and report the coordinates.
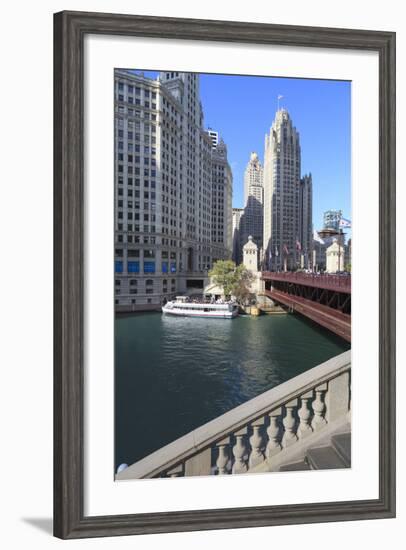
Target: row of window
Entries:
(148, 267)
(134, 181)
(131, 89)
(148, 282)
(147, 253)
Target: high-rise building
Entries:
(237, 242)
(331, 219)
(305, 219)
(281, 193)
(163, 188)
(222, 196)
(253, 220)
(214, 137)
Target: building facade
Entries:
(331, 219)
(163, 189)
(251, 260)
(305, 220)
(252, 222)
(335, 257)
(319, 255)
(214, 137)
(282, 165)
(237, 240)
(222, 210)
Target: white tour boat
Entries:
(218, 310)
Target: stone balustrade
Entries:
(256, 435)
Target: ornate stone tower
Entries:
(250, 255)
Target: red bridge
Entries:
(326, 299)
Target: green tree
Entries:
(232, 279)
(242, 287)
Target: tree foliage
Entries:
(234, 280)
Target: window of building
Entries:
(149, 267)
(133, 267)
(118, 266)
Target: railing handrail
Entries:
(231, 421)
(334, 279)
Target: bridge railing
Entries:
(311, 279)
(258, 431)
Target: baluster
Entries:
(304, 414)
(273, 447)
(223, 456)
(256, 442)
(289, 423)
(239, 452)
(319, 408)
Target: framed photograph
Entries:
(224, 274)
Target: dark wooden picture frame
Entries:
(70, 29)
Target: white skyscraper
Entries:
(252, 219)
(281, 194)
(163, 189)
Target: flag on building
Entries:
(276, 251)
(298, 245)
(280, 96)
(285, 249)
(317, 238)
(344, 223)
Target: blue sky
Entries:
(242, 108)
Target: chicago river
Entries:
(175, 374)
